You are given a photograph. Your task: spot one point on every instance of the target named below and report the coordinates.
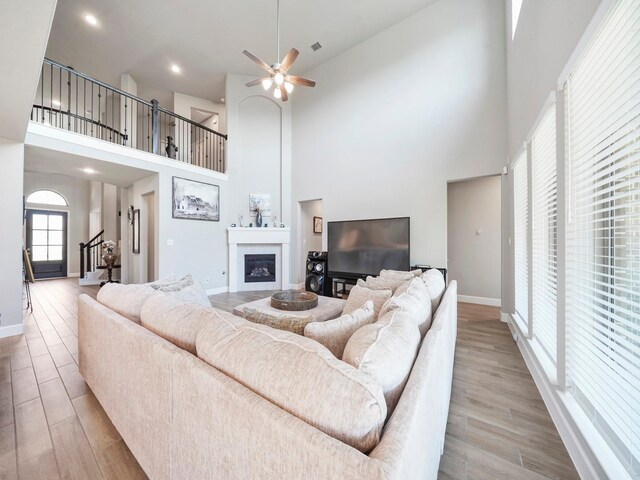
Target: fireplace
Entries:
(259, 268)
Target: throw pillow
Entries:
(280, 321)
(175, 286)
(358, 296)
(399, 274)
(434, 281)
(385, 350)
(171, 278)
(334, 334)
(193, 293)
(383, 283)
(413, 297)
(300, 376)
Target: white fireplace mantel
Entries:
(258, 236)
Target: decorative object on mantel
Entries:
(135, 236)
(278, 77)
(317, 224)
(240, 219)
(260, 206)
(193, 200)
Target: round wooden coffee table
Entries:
(294, 301)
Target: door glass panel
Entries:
(55, 238)
(40, 222)
(39, 237)
(39, 254)
(55, 253)
(55, 222)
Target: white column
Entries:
(285, 257)
(11, 185)
(233, 267)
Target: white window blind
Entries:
(603, 234)
(544, 223)
(520, 227)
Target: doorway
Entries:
(474, 238)
(149, 226)
(47, 243)
(311, 227)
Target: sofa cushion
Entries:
(359, 295)
(127, 300)
(176, 321)
(300, 376)
(400, 274)
(414, 298)
(434, 281)
(334, 334)
(282, 321)
(386, 350)
(171, 278)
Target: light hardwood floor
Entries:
(51, 425)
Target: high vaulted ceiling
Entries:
(206, 37)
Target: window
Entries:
(521, 202)
(544, 223)
(46, 237)
(47, 197)
(516, 7)
(603, 231)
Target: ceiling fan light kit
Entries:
(279, 78)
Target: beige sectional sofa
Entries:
(183, 418)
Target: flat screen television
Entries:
(364, 247)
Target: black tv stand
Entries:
(340, 287)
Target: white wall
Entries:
(397, 116)
(76, 192)
(183, 103)
(259, 163)
(259, 132)
(11, 214)
(547, 34)
(473, 239)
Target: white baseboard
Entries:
(494, 302)
(217, 290)
(11, 330)
(76, 274)
(591, 463)
(296, 286)
(505, 317)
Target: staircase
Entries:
(92, 268)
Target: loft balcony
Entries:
(76, 102)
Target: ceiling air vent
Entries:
(316, 46)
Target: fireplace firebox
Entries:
(259, 268)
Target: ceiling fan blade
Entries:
(259, 62)
(288, 60)
(283, 93)
(255, 82)
(300, 81)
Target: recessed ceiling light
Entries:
(90, 171)
(222, 99)
(175, 68)
(56, 102)
(90, 19)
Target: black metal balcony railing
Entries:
(79, 103)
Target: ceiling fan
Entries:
(279, 77)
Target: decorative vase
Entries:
(259, 219)
(109, 259)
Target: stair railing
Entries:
(79, 103)
(90, 256)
